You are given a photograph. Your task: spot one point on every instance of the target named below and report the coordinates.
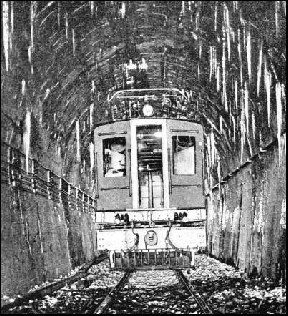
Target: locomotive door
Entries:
(185, 145)
(112, 150)
(149, 164)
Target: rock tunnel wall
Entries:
(247, 216)
(46, 231)
(42, 239)
(47, 226)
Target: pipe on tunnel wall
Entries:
(246, 221)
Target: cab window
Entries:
(184, 162)
(114, 157)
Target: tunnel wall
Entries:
(44, 234)
(246, 222)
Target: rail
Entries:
(112, 295)
(204, 307)
(102, 308)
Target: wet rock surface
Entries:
(222, 287)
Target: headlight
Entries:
(148, 110)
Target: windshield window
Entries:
(114, 157)
(184, 161)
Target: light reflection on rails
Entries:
(108, 300)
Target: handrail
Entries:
(39, 179)
(96, 175)
(170, 171)
(130, 170)
(148, 90)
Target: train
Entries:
(151, 210)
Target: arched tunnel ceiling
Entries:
(59, 57)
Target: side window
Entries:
(183, 149)
(114, 157)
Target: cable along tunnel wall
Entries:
(46, 231)
(246, 221)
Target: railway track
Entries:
(154, 291)
(204, 307)
(122, 297)
(102, 308)
(52, 288)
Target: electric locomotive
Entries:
(149, 186)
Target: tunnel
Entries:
(61, 63)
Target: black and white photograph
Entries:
(143, 157)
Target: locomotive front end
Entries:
(150, 202)
(150, 239)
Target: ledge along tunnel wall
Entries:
(45, 231)
(247, 216)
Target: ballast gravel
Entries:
(82, 296)
(153, 292)
(222, 287)
(227, 290)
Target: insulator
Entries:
(117, 219)
(13, 179)
(60, 189)
(34, 185)
(49, 180)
